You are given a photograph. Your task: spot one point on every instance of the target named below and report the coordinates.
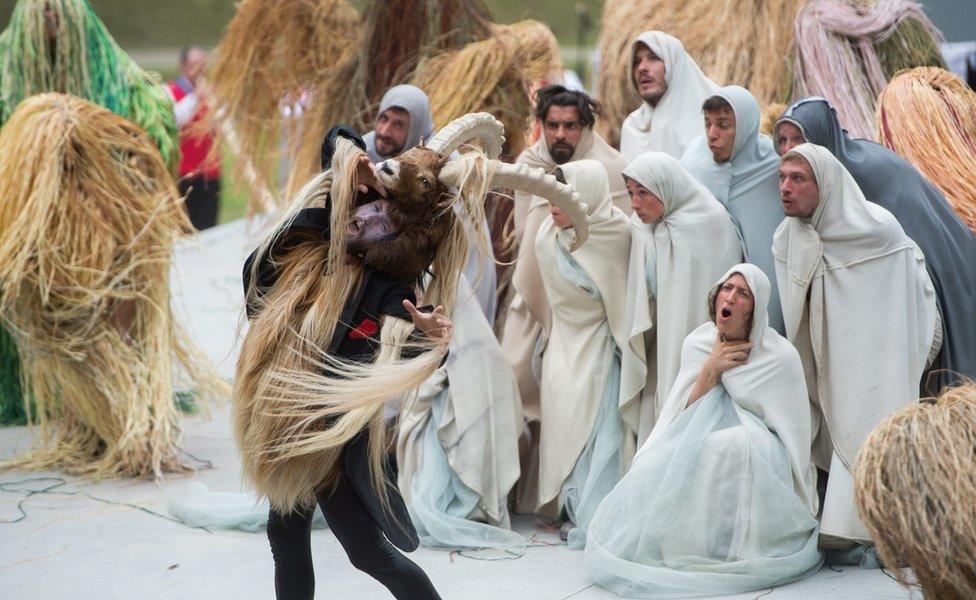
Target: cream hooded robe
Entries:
(527, 316)
(586, 330)
(526, 320)
(457, 445)
(860, 308)
(676, 119)
(722, 498)
(681, 255)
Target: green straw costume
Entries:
(84, 60)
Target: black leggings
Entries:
(361, 538)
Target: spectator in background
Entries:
(199, 169)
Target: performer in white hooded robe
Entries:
(747, 184)
(722, 497)
(682, 240)
(527, 316)
(669, 121)
(457, 447)
(860, 309)
(582, 442)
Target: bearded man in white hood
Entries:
(673, 88)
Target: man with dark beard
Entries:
(567, 118)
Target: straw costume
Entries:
(87, 225)
(889, 181)
(915, 479)
(313, 376)
(847, 50)
(928, 115)
(62, 46)
(493, 75)
(272, 54)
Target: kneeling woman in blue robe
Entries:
(721, 498)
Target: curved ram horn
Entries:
(469, 127)
(535, 182)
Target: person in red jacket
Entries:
(199, 170)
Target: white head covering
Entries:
(577, 360)
(747, 184)
(413, 100)
(685, 251)
(852, 266)
(527, 314)
(770, 385)
(676, 120)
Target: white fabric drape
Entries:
(477, 429)
(586, 329)
(860, 307)
(684, 252)
(721, 498)
(527, 314)
(676, 119)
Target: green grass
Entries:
(233, 201)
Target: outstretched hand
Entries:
(435, 325)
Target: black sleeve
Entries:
(392, 302)
(328, 144)
(310, 219)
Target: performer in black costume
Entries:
(352, 508)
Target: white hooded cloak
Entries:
(722, 498)
(860, 308)
(681, 255)
(676, 119)
(470, 406)
(587, 328)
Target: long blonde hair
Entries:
(295, 405)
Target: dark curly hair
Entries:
(557, 95)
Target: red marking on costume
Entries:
(364, 330)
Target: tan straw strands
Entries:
(396, 36)
(846, 50)
(493, 76)
(746, 42)
(915, 480)
(273, 55)
(928, 115)
(87, 226)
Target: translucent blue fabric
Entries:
(199, 507)
(710, 509)
(441, 506)
(599, 466)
